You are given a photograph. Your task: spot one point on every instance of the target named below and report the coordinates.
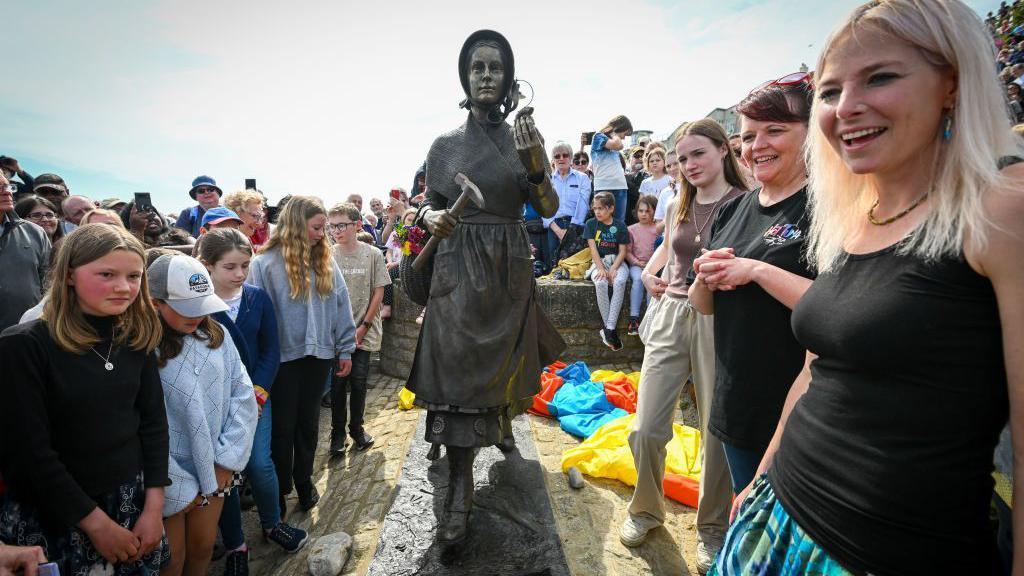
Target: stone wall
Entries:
(571, 306)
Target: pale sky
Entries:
(338, 97)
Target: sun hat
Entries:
(204, 181)
(51, 181)
(218, 214)
(113, 203)
(183, 282)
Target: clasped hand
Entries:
(721, 269)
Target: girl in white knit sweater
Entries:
(211, 409)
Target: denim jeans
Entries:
(743, 465)
(355, 385)
(551, 253)
(263, 479)
(621, 203)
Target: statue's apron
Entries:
(484, 339)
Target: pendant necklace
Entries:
(106, 361)
(700, 227)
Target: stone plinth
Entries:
(571, 306)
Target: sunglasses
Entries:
(787, 80)
(581, 162)
(560, 156)
(638, 156)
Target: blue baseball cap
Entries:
(218, 214)
(204, 181)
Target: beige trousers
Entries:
(679, 344)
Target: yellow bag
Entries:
(575, 266)
(606, 375)
(405, 398)
(606, 453)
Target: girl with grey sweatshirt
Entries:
(316, 334)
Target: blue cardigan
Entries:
(256, 326)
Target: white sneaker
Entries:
(635, 528)
(705, 556)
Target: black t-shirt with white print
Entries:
(757, 356)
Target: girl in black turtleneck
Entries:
(83, 431)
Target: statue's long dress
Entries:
(484, 338)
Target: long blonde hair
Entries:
(713, 131)
(951, 37)
(138, 327)
(292, 238)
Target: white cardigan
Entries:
(211, 418)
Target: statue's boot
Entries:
(507, 444)
(459, 503)
(435, 451)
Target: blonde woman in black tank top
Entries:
(882, 459)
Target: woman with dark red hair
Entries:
(754, 272)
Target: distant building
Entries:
(727, 117)
(638, 134)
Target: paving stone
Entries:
(328, 554)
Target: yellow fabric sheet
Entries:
(606, 375)
(606, 453)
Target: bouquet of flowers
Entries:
(412, 239)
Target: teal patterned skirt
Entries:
(765, 541)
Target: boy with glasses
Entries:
(366, 275)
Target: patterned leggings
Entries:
(610, 310)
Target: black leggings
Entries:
(296, 419)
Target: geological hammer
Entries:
(470, 193)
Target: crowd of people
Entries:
(840, 280)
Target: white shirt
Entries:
(666, 194)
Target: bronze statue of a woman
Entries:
(484, 339)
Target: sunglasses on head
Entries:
(787, 80)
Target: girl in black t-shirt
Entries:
(608, 239)
(83, 425)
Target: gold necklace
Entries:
(710, 214)
(890, 220)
